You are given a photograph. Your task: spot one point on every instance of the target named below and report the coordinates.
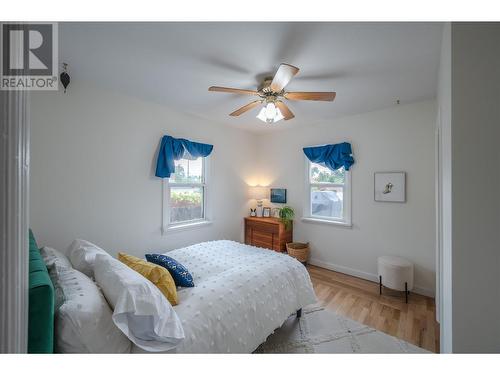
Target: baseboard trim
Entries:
(363, 275)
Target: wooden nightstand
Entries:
(267, 232)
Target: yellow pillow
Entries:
(158, 275)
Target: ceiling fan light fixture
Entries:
(278, 116)
(262, 114)
(273, 96)
(270, 113)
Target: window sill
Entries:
(327, 222)
(186, 226)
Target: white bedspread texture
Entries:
(241, 295)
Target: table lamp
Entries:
(259, 193)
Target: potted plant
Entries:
(286, 215)
(298, 250)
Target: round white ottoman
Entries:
(395, 273)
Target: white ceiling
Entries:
(369, 65)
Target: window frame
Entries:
(346, 221)
(168, 226)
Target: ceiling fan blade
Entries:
(283, 76)
(322, 96)
(285, 111)
(231, 90)
(245, 108)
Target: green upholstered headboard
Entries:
(41, 303)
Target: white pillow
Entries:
(51, 256)
(83, 319)
(82, 254)
(141, 311)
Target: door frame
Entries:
(14, 219)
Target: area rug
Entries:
(322, 331)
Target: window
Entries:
(328, 194)
(185, 194)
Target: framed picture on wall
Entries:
(278, 195)
(390, 187)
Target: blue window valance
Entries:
(177, 148)
(331, 156)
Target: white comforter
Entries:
(242, 294)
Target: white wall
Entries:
(92, 173)
(399, 138)
(476, 179)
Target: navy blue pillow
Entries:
(179, 273)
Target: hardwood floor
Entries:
(359, 300)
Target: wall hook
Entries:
(65, 79)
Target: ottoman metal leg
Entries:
(380, 284)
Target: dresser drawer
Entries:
(264, 227)
(265, 245)
(265, 237)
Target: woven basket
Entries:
(298, 250)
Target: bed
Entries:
(242, 294)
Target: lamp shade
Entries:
(258, 192)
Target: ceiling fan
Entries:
(271, 94)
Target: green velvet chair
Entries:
(41, 303)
